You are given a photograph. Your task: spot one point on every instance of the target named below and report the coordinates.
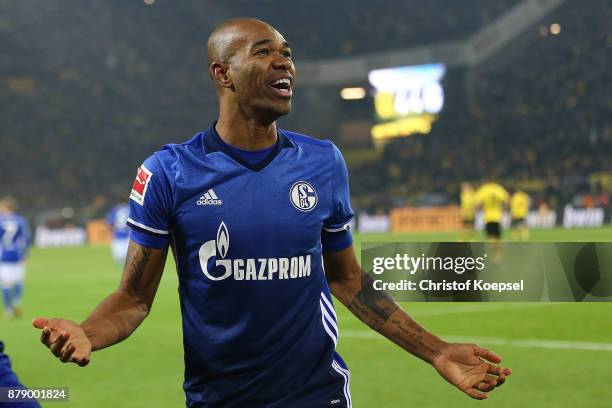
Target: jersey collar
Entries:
(212, 143)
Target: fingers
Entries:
(65, 351)
(491, 379)
(499, 371)
(476, 394)
(83, 362)
(487, 383)
(487, 355)
(80, 360)
(493, 369)
(57, 347)
(40, 322)
(484, 386)
(44, 336)
(49, 333)
(70, 355)
(501, 377)
(58, 340)
(67, 354)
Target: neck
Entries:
(244, 132)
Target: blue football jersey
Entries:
(14, 238)
(259, 325)
(117, 219)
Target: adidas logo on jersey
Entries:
(209, 198)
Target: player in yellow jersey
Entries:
(468, 211)
(493, 200)
(519, 209)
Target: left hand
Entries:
(469, 368)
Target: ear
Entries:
(219, 72)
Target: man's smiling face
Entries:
(262, 70)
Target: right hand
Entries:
(66, 340)
(471, 368)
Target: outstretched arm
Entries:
(467, 366)
(116, 317)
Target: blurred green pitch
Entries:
(147, 369)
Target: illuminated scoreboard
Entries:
(407, 99)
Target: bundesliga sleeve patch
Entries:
(139, 189)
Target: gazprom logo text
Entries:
(217, 266)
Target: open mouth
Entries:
(282, 87)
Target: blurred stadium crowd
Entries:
(348, 27)
(539, 121)
(89, 89)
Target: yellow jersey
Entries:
(492, 197)
(519, 205)
(468, 205)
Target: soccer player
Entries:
(14, 241)
(519, 209)
(117, 220)
(468, 211)
(8, 379)
(257, 221)
(493, 200)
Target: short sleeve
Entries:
(151, 206)
(336, 233)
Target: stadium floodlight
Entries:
(353, 93)
(555, 28)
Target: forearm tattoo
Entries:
(409, 334)
(135, 264)
(375, 307)
(372, 306)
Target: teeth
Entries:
(282, 81)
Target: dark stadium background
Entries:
(90, 88)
